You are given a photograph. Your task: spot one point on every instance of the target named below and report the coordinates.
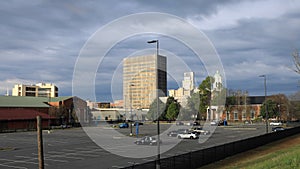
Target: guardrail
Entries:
(206, 156)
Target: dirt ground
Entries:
(255, 153)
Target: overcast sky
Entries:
(41, 42)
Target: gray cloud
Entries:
(41, 40)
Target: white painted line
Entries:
(63, 156)
(115, 166)
(46, 158)
(69, 150)
(87, 155)
(10, 166)
(56, 141)
(27, 157)
(53, 152)
(88, 151)
(49, 159)
(17, 161)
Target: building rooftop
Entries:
(23, 101)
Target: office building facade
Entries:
(36, 90)
(142, 75)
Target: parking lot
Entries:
(72, 148)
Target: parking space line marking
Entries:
(49, 159)
(115, 166)
(17, 161)
(69, 150)
(87, 155)
(10, 166)
(63, 156)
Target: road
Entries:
(73, 148)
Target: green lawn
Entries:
(282, 154)
(282, 159)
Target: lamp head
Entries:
(152, 41)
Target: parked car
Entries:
(179, 123)
(173, 133)
(274, 129)
(123, 125)
(213, 123)
(200, 130)
(273, 123)
(183, 130)
(147, 140)
(189, 135)
(135, 123)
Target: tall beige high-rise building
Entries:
(139, 80)
(36, 90)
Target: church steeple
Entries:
(217, 85)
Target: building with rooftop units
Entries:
(35, 90)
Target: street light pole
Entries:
(130, 108)
(157, 104)
(267, 115)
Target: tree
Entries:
(272, 109)
(152, 113)
(165, 113)
(172, 111)
(296, 59)
(170, 100)
(186, 114)
(205, 95)
(193, 104)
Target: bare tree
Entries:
(296, 59)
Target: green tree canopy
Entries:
(168, 111)
(173, 111)
(272, 109)
(205, 95)
(152, 113)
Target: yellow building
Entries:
(36, 90)
(140, 78)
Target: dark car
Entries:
(147, 140)
(123, 125)
(275, 129)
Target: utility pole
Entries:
(40, 142)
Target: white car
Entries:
(190, 135)
(275, 123)
(200, 131)
(213, 123)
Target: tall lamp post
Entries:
(130, 108)
(157, 106)
(267, 115)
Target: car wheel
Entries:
(137, 143)
(179, 137)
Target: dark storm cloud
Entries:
(40, 40)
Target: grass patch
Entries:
(282, 159)
(282, 154)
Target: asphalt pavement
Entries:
(75, 148)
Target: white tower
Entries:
(217, 85)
